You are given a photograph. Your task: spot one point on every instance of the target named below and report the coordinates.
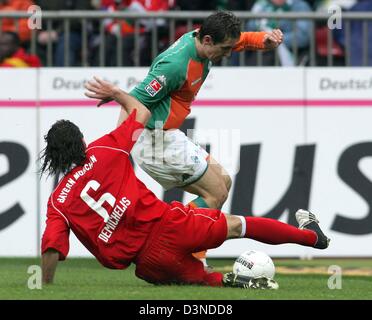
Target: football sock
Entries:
(213, 279)
(199, 202)
(272, 231)
(202, 256)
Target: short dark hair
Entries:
(9, 42)
(14, 37)
(220, 25)
(65, 147)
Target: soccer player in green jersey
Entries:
(170, 87)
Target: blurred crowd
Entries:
(15, 37)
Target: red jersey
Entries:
(109, 210)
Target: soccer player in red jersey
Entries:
(121, 222)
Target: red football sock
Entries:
(272, 231)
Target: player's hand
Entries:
(101, 90)
(273, 39)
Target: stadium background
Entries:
(290, 137)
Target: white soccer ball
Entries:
(254, 264)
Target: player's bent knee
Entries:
(223, 195)
(219, 199)
(212, 202)
(216, 198)
(228, 182)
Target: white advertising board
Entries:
(290, 138)
(18, 147)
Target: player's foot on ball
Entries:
(307, 220)
(237, 281)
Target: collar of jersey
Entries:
(194, 52)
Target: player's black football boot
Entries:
(307, 220)
(238, 281)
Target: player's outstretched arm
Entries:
(49, 261)
(263, 40)
(104, 90)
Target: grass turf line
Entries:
(87, 279)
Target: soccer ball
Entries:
(254, 264)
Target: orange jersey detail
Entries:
(181, 100)
(250, 40)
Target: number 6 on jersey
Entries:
(97, 205)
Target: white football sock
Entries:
(244, 226)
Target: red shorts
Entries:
(167, 256)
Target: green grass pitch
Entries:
(86, 279)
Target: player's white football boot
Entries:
(238, 281)
(307, 220)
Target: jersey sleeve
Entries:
(126, 135)
(123, 137)
(56, 233)
(250, 41)
(164, 77)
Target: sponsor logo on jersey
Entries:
(153, 88)
(162, 79)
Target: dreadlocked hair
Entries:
(220, 25)
(64, 148)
